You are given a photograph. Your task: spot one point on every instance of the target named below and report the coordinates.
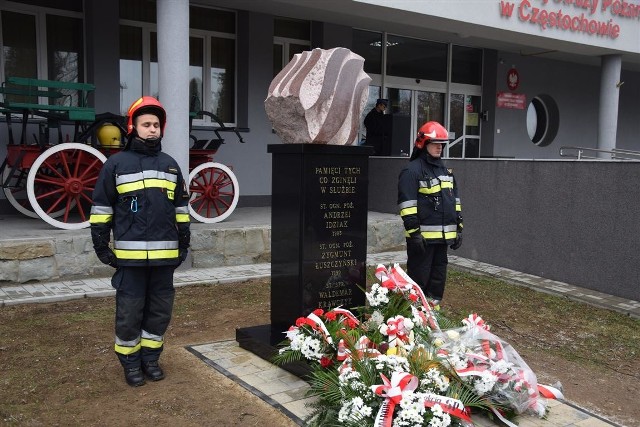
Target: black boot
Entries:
(152, 370)
(134, 377)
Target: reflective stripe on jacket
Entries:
(428, 200)
(143, 199)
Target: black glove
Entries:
(415, 244)
(106, 256)
(457, 243)
(182, 255)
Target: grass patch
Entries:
(569, 329)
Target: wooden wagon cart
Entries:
(55, 182)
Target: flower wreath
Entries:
(393, 365)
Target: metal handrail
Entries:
(616, 153)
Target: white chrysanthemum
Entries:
(378, 295)
(311, 347)
(411, 410)
(457, 361)
(408, 346)
(374, 322)
(391, 363)
(408, 323)
(297, 341)
(440, 418)
(377, 318)
(292, 333)
(501, 366)
(484, 382)
(416, 317)
(354, 410)
(434, 381)
(348, 375)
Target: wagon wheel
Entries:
(214, 192)
(15, 190)
(63, 177)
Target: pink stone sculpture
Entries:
(318, 97)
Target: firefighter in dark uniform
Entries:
(430, 210)
(141, 196)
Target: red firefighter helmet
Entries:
(431, 132)
(146, 105)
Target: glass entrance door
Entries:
(464, 121)
(410, 109)
(429, 107)
(401, 107)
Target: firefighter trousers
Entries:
(144, 302)
(427, 266)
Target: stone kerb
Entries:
(44, 259)
(72, 257)
(240, 246)
(385, 236)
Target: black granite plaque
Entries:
(318, 233)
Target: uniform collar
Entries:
(139, 147)
(430, 159)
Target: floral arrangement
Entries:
(400, 362)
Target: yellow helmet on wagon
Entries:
(109, 136)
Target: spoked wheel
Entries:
(63, 178)
(15, 190)
(214, 192)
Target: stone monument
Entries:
(319, 191)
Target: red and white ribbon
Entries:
(403, 279)
(392, 392)
(362, 348)
(549, 392)
(396, 328)
(320, 324)
(475, 320)
(346, 313)
(449, 405)
(396, 280)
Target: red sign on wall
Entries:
(515, 101)
(513, 79)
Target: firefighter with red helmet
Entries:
(430, 210)
(141, 197)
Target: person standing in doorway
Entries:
(376, 127)
(430, 210)
(142, 197)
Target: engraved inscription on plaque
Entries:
(336, 236)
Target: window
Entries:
(291, 36)
(416, 59)
(464, 125)
(212, 59)
(466, 65)
(429, 107)
(368, 44)
(221, 100)
(543, 119)
(65, 57)
(61, 58)
(130, 66)
(196, 71)
(138, 10)
(374, 95)
(19, 47)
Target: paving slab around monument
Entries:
(287, 393)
